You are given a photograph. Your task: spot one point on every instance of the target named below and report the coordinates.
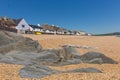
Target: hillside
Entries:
(108, 34)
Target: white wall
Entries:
(22, 22)
(48, 31)
(36, 29)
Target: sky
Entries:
(92, 16)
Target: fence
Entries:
(8, 29)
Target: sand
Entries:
(109, 45)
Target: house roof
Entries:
(17, 21)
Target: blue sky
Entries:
(92, 16)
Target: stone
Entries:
(36, 71)
(85, 70)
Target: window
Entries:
(23, 26)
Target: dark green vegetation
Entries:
(108, 34)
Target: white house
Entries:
(21, 25)
(82, 33)
(50, 31)
(36, 28)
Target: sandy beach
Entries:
(108, 45)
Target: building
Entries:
(14, 25)
(35, 28)
(82, 33)
(21, 25)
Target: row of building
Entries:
(21, 26)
